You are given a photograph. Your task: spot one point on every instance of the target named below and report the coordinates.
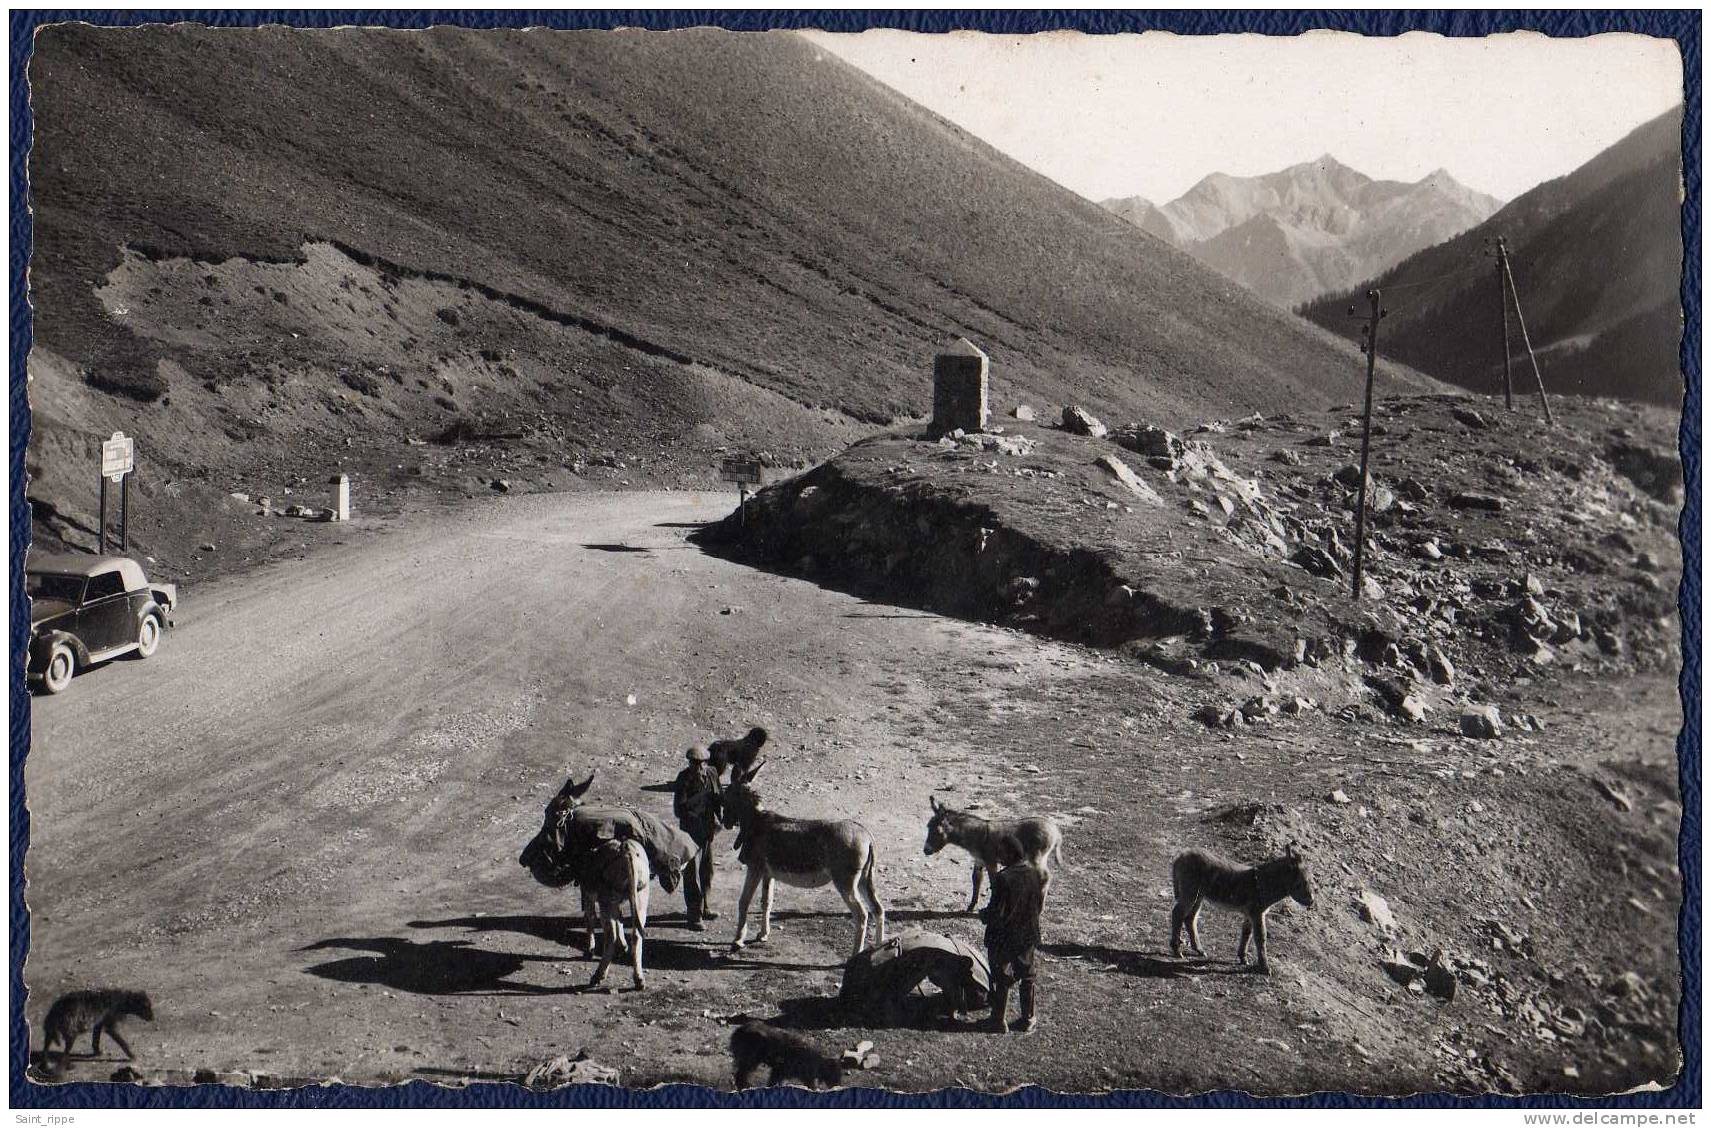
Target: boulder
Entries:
(1286, 456)
(1347, 476)
(1152, 442)
(1468, 417)
(1482, 722)
(1080, 421)
(1120, 470)
(1023, 413)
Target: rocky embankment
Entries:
(1497, 547)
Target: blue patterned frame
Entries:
(1681, 26)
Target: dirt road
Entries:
(297, 827)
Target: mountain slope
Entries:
(1295, 234)
(1597, 260)
(273, 250)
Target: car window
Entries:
(105, 584)
(52, 585)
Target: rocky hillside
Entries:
(1310, 229)
(556, 257)
(1494, 551)
(1597, 258)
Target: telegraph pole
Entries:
(1515, 296)
(1502, 256)
(1370, 347)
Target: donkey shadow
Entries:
(658, 953)
(917, 1012)
(1148, 965)
(434, 967)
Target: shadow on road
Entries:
(682, 524)
(1139, 963)
(436, 967)
(616, 548)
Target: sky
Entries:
(1151, 114)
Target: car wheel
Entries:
(62, 663)
(148, 636)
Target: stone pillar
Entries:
(959, 390)
(342, 506)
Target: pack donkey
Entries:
(1198, 875)
(1037, 839)
(611, 872)
(806, 853)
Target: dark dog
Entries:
(737, 754)
(96, 1012)
(788, 1057)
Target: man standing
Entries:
(695, 802)
(1012, 919)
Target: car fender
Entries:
(162, 610)
(47, 640)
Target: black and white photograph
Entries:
(861, 561)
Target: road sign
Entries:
(745, 471)
(117, 457)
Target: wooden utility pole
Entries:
(1502, 255)
(1370, 347)
(1515, 296)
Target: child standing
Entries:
(1012, 919)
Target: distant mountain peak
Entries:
(1315, 226)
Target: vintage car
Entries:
(86, 609)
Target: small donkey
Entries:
(806, 853)
(1037, 840)
(1198, 876)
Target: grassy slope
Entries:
(1597, 260)
(740, 201)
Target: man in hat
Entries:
(696, 798)
(1012, 919)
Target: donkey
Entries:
(548, 856)
(1037, 840)
(806, 853)
(1198, 876)
(618, 875)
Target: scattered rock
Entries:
(500, 485)
(1440, 981)
(1324, 440)
(1470, 418)
(1438, 666)
(1482, 722)
(1371, 588)
(1338, 797)
(1316, 561)
(1024, 413)
(1411, 709)
(1375, 910)
(1477, 501)
(1286, 456)
(1348, 476)
(1429, 550)
(1079, 421)
(208, 547)
(243, 497)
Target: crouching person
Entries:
(695, 802)
(1012, 919)
(880, 982)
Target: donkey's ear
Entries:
(578, 790)
(754, 771)
(1293, 850)
(934, 800)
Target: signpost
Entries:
(745, 472)
(118, 462)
